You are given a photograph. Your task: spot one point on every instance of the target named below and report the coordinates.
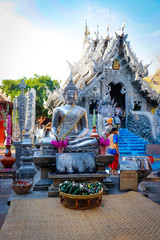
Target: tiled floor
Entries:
(5, 190)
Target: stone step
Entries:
(131, 144)
(136, 147)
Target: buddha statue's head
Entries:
(70, 92)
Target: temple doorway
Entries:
(119, 98)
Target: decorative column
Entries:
(28, 169)
(20, 104)
(30, 112)
(22, 101)
(18, 153)
(16, 143)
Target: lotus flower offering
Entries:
(80, 188)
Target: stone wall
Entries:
(140, 126)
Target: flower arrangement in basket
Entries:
(80, 195)
(80, 188)
(60, 143)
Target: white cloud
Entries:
(26, 49)
(155, 34)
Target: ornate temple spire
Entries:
(97, 34)
(86, 34)
(120, 31)
(70, 85)
(123, 26)
(107, 36)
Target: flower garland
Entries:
(8, 125)
(8, 130)
(80, 188)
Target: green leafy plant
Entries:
(11, 89)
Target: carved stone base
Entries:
(42, 185)
(18, 153)
(109, 183)
(54, 191)
(27, 171)
(59, 178)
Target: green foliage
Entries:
(11, 89)
(5, 113)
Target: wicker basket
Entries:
(81, 202)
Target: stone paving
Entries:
(5, 190)
(152, 189)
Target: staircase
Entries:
(131, 144)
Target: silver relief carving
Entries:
(21, 108)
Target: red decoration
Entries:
(151, 159)
(8, 161)
(94, 132)
(22, 186)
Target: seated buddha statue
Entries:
(71, 121)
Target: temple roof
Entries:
(3, 98)
(98, 55)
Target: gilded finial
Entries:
(86, 33)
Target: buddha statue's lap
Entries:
(70, 121)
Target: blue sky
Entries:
(38, 36)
